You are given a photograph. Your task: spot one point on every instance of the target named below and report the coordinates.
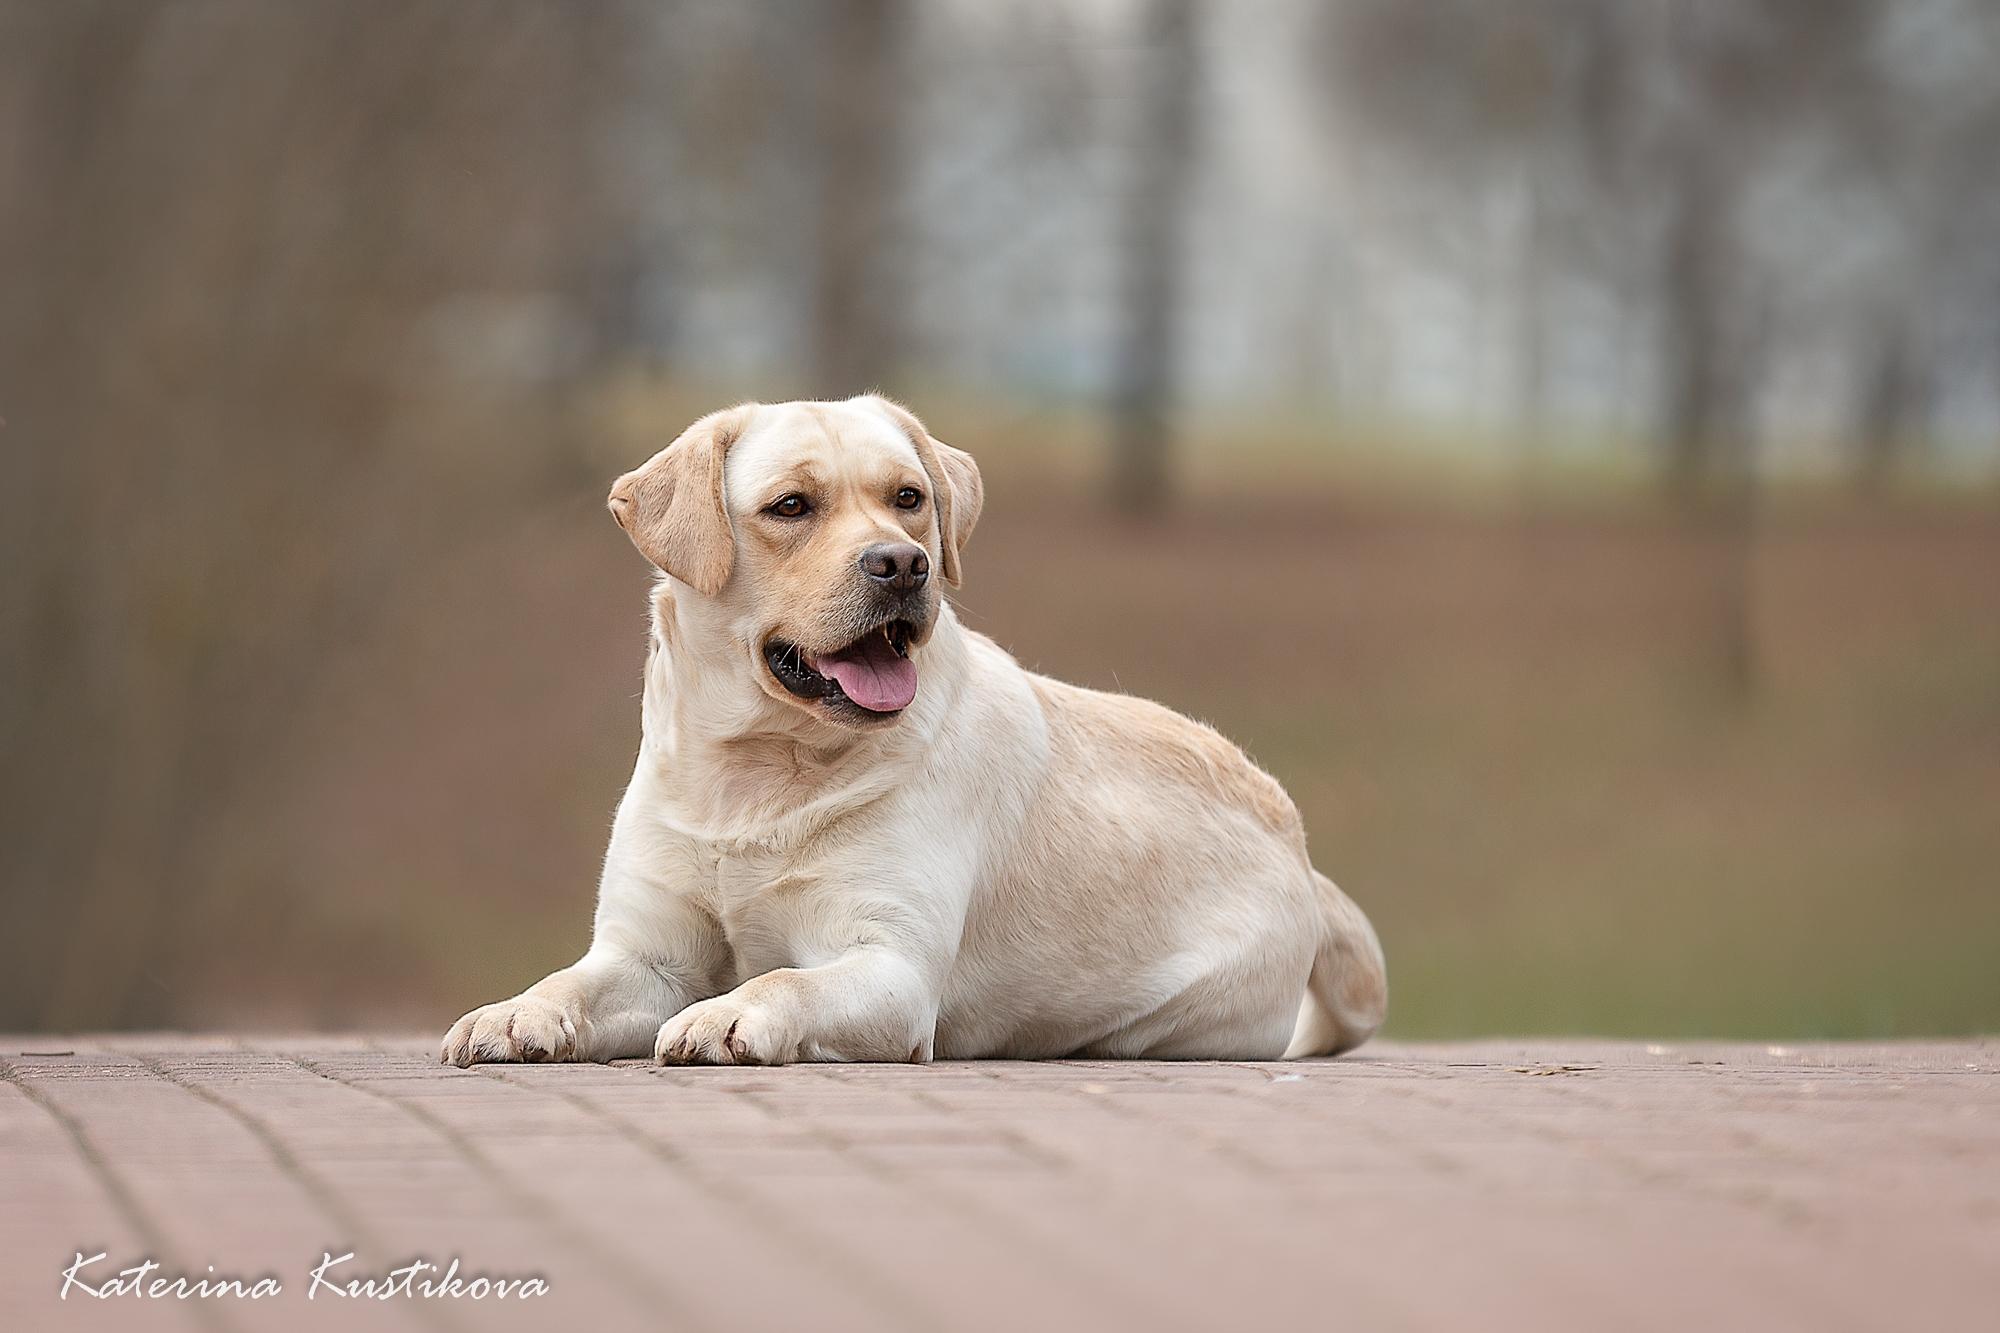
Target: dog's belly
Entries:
(1245, 1010)
(1215, 982)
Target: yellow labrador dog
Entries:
(860, 831)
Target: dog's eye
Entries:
(909, 498)
(790, 506)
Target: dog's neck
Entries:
(731, 761)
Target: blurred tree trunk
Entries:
(1143, 391)
(855, 331)
(1711, 361)
(1530, 300)
(1694, 378)
(237, 354)
(1706, 343)
(1893, 408)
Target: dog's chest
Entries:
(759, 901)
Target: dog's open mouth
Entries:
(874, 672)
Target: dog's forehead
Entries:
(829, 439)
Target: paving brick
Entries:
(1510, 1183)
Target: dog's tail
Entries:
(1348, 992)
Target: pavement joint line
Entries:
(931, 1188)
(1648, 1191)
(812, 1246)
(1429, 1158)
(1039, 1153)
(1053, 1255)
(627, 1279)
(1758, 1199)
(1637, 1168)
(320, 1191)
(1271, 1176)
(123, 1198)
(1756, 1196)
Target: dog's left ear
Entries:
(955, 479)
(672, 506)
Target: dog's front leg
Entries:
(605, 1006)
(871, 1003)
(653, 950)
(643, 965)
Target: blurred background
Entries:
(1559, 438)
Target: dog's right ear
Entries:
(672, 507)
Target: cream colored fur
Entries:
(1011, 867)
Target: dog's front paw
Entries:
(726, 1031)
(526, 1027)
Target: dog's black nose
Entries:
(896, 565)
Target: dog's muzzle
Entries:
(872, 675)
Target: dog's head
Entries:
(813, 537)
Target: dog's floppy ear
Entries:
(955, 479)
(671, 506)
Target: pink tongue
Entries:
(871, 674)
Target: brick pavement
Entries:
(1538, 1184)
